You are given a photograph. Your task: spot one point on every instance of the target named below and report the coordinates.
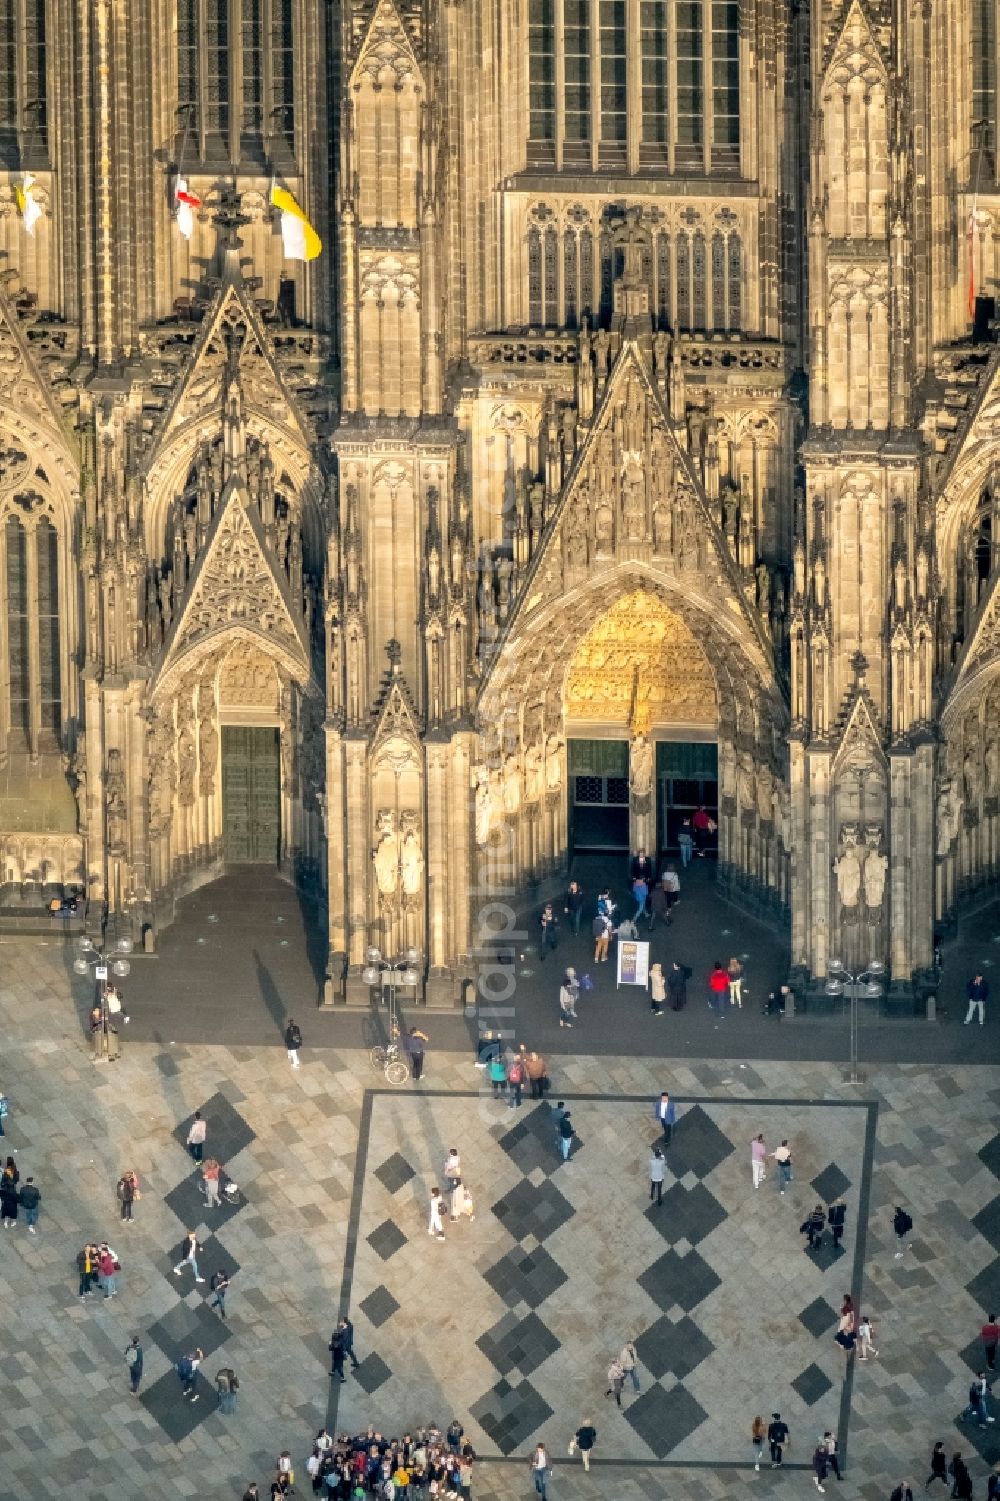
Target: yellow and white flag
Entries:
(298, 238)
(29, 210)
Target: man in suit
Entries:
(665, 1114)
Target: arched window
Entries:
(235, 85)
(24, 134)
(32, 713)
(979, 556)
(984, 91)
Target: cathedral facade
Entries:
(632, 446)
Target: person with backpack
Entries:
(677, 980)
(603, 930)
(196, 1137)
(126, 1192)
(30, 1199)
(961, 1488)
(616, 1380)
(220, 1286)
(187, 1372)
(566, 1134)
(902, 1224)
(549, 925)
(293, 1042)
(227, 1385)
(569, 990)
(133, 1359)
(515, 1082)
(4, 1112)
(979, 1391)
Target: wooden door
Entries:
(251, 795)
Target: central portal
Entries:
(251, 795)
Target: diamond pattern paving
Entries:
(386, 1239)
(664, 1419)
(830, 1184)
(379, 1306)
(677, 1348)
(526, 1277)
(516, 1344)
(511, 1414)
(528, 1210)
(394, 1173)
(675, 1281)
(686, 1214)
(697, 1145)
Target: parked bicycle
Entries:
(389, 1059)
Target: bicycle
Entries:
(389, 1058)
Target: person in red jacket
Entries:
(718, 988)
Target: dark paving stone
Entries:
(394, 1173)
(516, 1344)
(212, 1257)
(819, 1317)
(185, 1329)
(386, 1239)
(985, 1286)
(686, 1214)
(831, 1184)
(697, 1145)
(525, 1277)
(372, 1372)
(511, 1414)
(176, 1415)
(812, 1384)
(531, 1142)
(528, 1210)
(664, 1419)
(379, 1306)
(987, 1222)
(826, 1254)
(990, 1155)
(228, 1133)
(191, 1207)
(679, 1281)
(678, 1348)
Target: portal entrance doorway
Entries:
(687, 778)
(251, 795)
(598, 796)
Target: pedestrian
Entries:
(4, 1112)
(189, 1256)
(293, 1042)
(640, 895)
(758, 1154)
(515, 1082)
(435, 1227)
(657, 989)
(565, 1135)
(783, 1159)
(671, 883)
(819, 1466)
(902, 1224)
(616, 1380)
(286, 1472)
(642, 868)
(677, 980)
(210, 1171)
(187, 1371)
(452, 1170)
(573, 906)
(534, 1067)
(961, 1489)
(568, 992)
(702, 826)
(866, 1338)
(498, 1074)
(832, 1453)
(685, 842)
(603, 929)
(813, 1226)
(902, 1492)
(849, 1312)
(220, 1286)
(978, 992)
(989, 1334)
(133, 1359)
(337, 1354)
(30, 1197)
(126, 1192)
(757, 1435)
(584, 1440)
(414, 1044)
(659, 905)
(629, 1358)
(665, 1115)
(979, 1391)
(109, 1266)
(196, 1137)
(734, 974)
(227, 1385)
(251, 1493)
(550, 930)
(605, 906)
(453, 1434)
(939, 1465)
(657, 1167)
(777, 1439)
(846, 1335)
(718, 988)
(9, 1180)
(346, 1329)
(86, 1261)
(539, 1464)
(835, 1217)
(558, 1111)
(993, 1483)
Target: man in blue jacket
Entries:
(665, 1114)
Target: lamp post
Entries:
(114, 959)
(855, 983)
(391, 972)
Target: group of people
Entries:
(426, 1462)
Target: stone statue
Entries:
(114, 795)
(186, 760)
(484, 805)
(553, 763)
(765, 790)
(782, 814)
(949, 816)
(511, 785)
(876, 868)
(634, 508)
(970, 778)
(991, 766)
(386, 857)
(534, 773)
(848, 871)
(78, 782)
(411, 863)
(744, 781)
(604, 525)
(640, 767)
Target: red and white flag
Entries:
(185, 204)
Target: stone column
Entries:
(358, 842)
(440, 982)
(642, 795)
(334, 821)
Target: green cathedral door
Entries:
(251, 795)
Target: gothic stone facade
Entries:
(635, 393)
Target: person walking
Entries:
(452, 1172)
(939, 1465)
(134, 1360)
(337, 1354)
(993, 1483)
(902, 1224)
(989, 1334)
(414, 1044)
(866, 1338)
(4, 1112)
(758, 1433)
(109, 1266)
(616, 1380)
(671, 883)
(665, 1115)
(961, 1488)
(734, 974)
(584, 1440)
(9, 1179)
(777, 1439)
(515, 1082)
(435, 1226)
(210, 1173)
(549, 924)
(539, 1464)
(293, 1042)
(718, 988)
(702, 825)
(565, 1135)
(979, 1391)
(659, 906)
(227, 1385)
(832, 1453)
(677, 979)
(978, 992)
(189, 1256)
(846, 1335)
(126, 1192)
(187, 1371)
(573, 906)
(835, 1217)
(629, 1358)
(819, 1467)
(813, 1226)
(685, 842)
(346, 1329)
(498, 1074)
(30, 1197)
(657, 1167)
(602, 929)
(657, 989)
(642, 868)
(783, 1161)
(220, 1286)
(568, 992)
(640, 895)
(758, 1155)
(902, 1492)
(534, 1067)
(196, 1137)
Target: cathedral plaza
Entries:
(499, 712)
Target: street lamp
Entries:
(401, 971)
(114, 959)
(855, 983)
